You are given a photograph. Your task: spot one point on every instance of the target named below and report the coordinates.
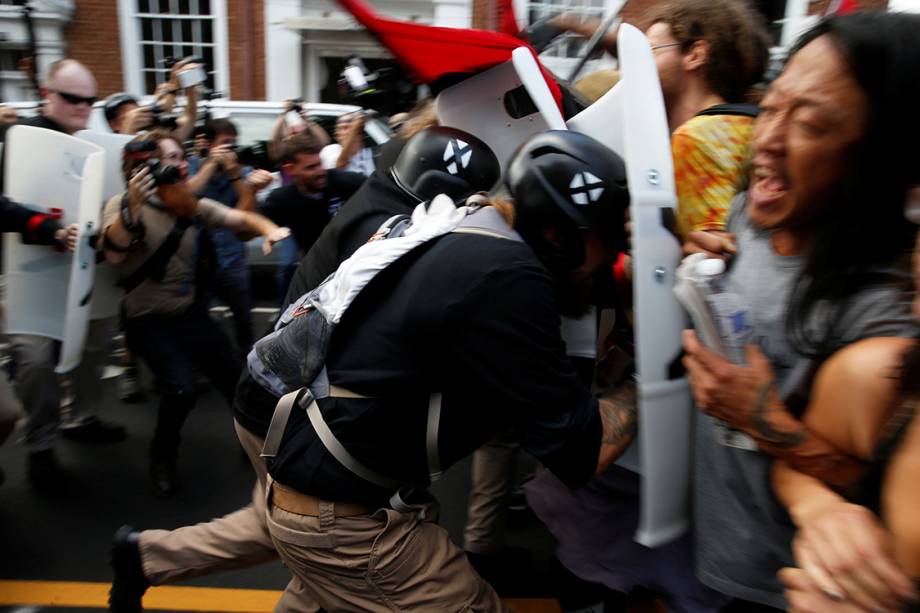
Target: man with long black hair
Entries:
(821, 241)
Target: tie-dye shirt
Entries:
(711, 160)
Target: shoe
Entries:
(93, 430)
(129, 583)
(68, 395)
(44, 472)
(129, 385)
(163, 478)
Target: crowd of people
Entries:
(425, 292)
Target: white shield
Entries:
(631, 120)
(48, 293)
(106, 293)
(478, 105)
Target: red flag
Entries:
(507, 21)
(431, 52)
(841, 7)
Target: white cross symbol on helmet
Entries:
(586, 188)
(459, 153)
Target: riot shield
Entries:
(106, 293)
(631, 120)
(503, 106)
(48, 293)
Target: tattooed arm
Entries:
(619, 421)
(746, 398)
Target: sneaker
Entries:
(44, 472)
(129, 583)
(68, 393)
(93, 430)
(129, 385)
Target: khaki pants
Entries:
(237, 540)
(387, 561)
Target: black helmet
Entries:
(569, 182)
(115, 102)
(441, 160)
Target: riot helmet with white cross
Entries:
(440, 160)
(570, 183)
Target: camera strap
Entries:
(154, 267)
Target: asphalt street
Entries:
(65, 536)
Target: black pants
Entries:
(175, 348)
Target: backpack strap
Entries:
(486, 221)
(304, 398)
(154, 267)
(742, 109)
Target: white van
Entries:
(254, 119)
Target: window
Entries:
(10, 58)
(567, 45)
(168, 30)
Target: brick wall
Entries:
(246, 36)
(483, 11)
(92, 38)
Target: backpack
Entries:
(290, 361)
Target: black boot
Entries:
(174, 409)
(129, 583)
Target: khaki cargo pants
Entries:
(386, 561)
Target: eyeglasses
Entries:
(75, 99)
(666, 45)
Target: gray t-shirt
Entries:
(743, 534)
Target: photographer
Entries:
(125, 116)
(349, 152)
(152, 235)
(217, 174)
(283, 129)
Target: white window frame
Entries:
(131, 64)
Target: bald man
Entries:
(68, 95)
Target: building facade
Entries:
(276, 49)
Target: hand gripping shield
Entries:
(48, 293)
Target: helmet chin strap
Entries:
(405, 188)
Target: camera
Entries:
(255, 155)
(146, 152)
(385, 89)
(296, 106)
(170, 61)
(162, 119)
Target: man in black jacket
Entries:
(38, 229)
(157, 557)
(68, 95)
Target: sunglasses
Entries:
(75, 99)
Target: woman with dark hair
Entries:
(819, 243)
